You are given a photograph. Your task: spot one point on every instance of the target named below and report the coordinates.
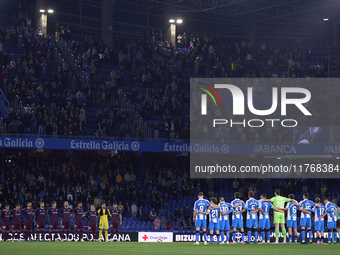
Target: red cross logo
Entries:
(145, 237)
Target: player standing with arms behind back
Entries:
(54, 213)
(66, 223)
(28, 213)
(41, 218)
(79, 224)
(16, 214)
(6, 222)
(92, 227)
(200, 219)
(115, 221)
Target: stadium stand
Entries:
(92, 178)
(80, 87)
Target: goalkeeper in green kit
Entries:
(279, 216)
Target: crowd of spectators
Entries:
(39, 98)
(153, 73)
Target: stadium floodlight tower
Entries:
(41, 15)
(173, 24)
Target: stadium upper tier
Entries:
(140, 89)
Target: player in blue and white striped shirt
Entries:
(252, 206)
(214, 224)
(305, 218)
(226, 209)
(200, 218)
(264, 220)
(319, 210)
(332, 211)
(292, 210)
(237, 218)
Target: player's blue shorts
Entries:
(237, 223)
(214, 226)
(292, 224)
(331, 224)
(306, 222)
(252, 223)
(320, 225)
(224, 225)
(201, 223)
(264, 223)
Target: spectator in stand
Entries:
(177, 215)
(119, 178)
(190, 223)
(79, 97)
(163, 223)
(134, 210)
(140, 213)
(157, 223)
(153, 214)
(57, 32)
(169, 225)
(323, 189)
(187, 213)
(179, 41)
(184, 225)
(127, 211)
(121, 207)
(184, 38)
(44, 69)
(197, 66)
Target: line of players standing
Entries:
(14, 218)
(219, 218)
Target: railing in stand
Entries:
(1, 125)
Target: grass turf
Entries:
(161, 248)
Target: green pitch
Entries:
(162, 248)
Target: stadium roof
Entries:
(271, 17)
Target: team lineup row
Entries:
(15, 217)
(218, 213)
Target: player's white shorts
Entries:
(252, 223)
(214, 226)
(306, 222)
(331, 224)
(224, 225)
(320, 225)
(237, 223)
(264, 223)
(292, 224)
(201, 223)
